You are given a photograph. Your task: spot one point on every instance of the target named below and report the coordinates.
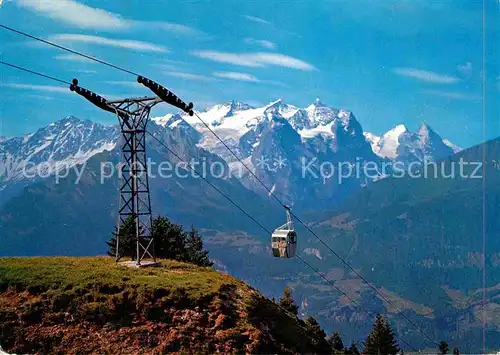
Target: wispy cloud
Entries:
(236, 76)
(465, 70)
(46, 88)
(258, 59)
(76, 14)
(73, 58)
(260, 42)
(124, 83)
(189, 76)
(452, 95)
(267, 23)
(174, 28)
(257, 19)
(120, 43)
(86, 17)
(427, 76)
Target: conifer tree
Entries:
(381, 339)
(443, 348)
(287, 302)
(317, 334)
(353, 350)
(194, 249)
(127, 246)
(169, 239)
(335, 342)
(170, 242)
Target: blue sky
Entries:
(389, 62)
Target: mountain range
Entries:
(294, 151)
(419, 241)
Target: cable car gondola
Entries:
(284, 239)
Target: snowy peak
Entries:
(227, 109)
(320, 114)
(401, 144)
(425, 130)
(235, 106)
(396, 131)
(57, 146)
(316, 103)
(454, 147)
(281, 108)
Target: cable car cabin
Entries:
(284, 240)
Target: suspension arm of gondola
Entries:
(97, 100)
(166, 95)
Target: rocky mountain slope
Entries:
(399, 144)
(294, 151)
(91, 305)
(33, 222)
(432, 240)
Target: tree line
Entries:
(380, 340)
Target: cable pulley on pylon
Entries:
(167, 96)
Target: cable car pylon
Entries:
(135, 200)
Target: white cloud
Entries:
(46, 88)
(124, 83)
(120, 43)
(265, 22)
(236, 76)
(76, 14)
(73, 58)
(189, 76)
(425, 75)
(86, 17)
(465, 70)
(258, 59)
(452, 95)
(261, 42)
(174, 27)
(257, 19)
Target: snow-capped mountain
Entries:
(60, 145)
(295, 151)
(454, 147)
(402, 145)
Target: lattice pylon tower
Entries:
(135, 199)
(133, 117)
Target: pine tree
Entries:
(381, 339)
(443, 348)
(127, 241)
(169, 239)
(194, 249)
(287, 302)
(335, 342)
(353, 350)
(317, 334)
(170, 242)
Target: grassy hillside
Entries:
(91, 305)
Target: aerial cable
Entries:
(271, 193)
(34, 72)
(224, 195)
(68, 49)
(370, 314)
(189, 110)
